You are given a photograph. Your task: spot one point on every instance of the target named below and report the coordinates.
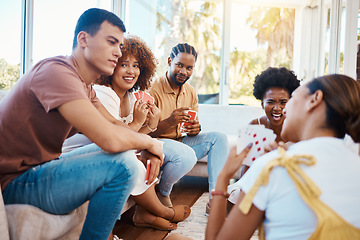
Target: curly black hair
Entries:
(135, 46)
(275, 77)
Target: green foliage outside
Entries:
(179, 22)
(9, 74)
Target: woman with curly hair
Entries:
(274, 87)
(134, 71)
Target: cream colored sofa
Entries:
(25, 222)
(227, 119)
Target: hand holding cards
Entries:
(146, 97)
(259, 136)
(193, 115)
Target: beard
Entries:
(176, 82)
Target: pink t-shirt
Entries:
(32, 130)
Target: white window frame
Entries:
(27, 29)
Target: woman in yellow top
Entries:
(311, 191)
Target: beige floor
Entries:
(194, 226)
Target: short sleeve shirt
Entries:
(167, 101)
(287, 216)
(32, 130)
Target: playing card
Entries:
(137, 95)
(147, 97)
(259, 136)
(193, 115)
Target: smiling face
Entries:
(126, 73)
(273, 103)
(103, 49)
(181, 68)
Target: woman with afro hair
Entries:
(274, 87)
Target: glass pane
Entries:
(341, 44)
(54, 25)
(163, 24)
(10, 12)
(260, 37)
(342, 37)
(327, 41)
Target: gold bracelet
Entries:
(151, 129)
(214, 192)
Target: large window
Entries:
(235, 39)
(163, 24)
(54, 25)
(260, 36)
(10, 42)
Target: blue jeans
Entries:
(180, 157)
(64, 184)
(179, 160)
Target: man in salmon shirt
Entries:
(54, 100)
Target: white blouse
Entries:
(111, 101)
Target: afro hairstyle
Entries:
(275, 77)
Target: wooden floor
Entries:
(186, 191)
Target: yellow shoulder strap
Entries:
(330, 224)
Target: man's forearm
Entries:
(162, 127)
